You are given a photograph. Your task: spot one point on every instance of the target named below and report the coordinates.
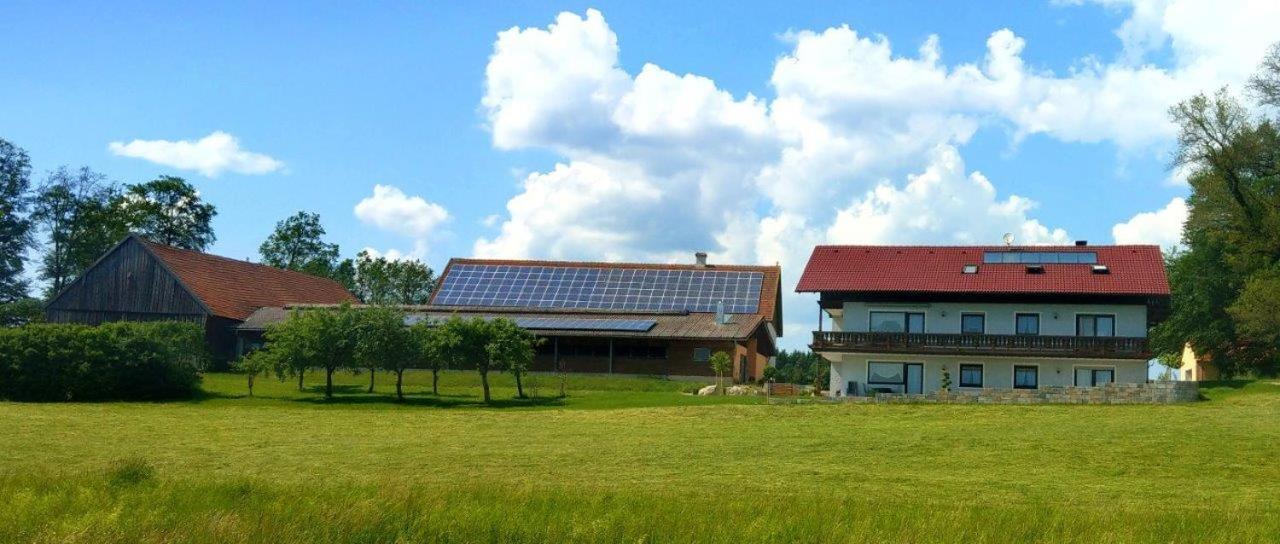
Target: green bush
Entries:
(115, 361)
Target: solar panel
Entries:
(600, 288)
(577, 324)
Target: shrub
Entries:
(115, 361)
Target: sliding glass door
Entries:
(896, 377)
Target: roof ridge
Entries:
(238, 261)
(608, 264)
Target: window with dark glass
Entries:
(1095, 325)
(970, 375)
(701, 355)
(1093, 377)
(1027, 323)
(973, 323)
(911, 322)
(1026, 377)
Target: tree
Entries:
(256, 363)
(473, 346)
(383, 342)
(379, 280)
(20, 312)
(721, 363)
(317, 338)
(512, 348)
(1224, 284)
(15, 226)
(75, 210)
(297, 243)
(169, 211)
(434, 347)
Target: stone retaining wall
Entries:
(1115, 393)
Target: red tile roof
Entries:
(769, 303)
(235, 289)
(1134, 270)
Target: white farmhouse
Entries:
(904, 319)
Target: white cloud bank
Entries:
(210, 156)
(858, 144)
(390, 209)
(1162, 227)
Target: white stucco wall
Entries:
(997, 371)
(944, 317)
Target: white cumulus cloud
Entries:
(1162, 227)
(210, 156)
(390, 209)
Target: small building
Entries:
(613, 318)
(1197, 368)
(988, 317)
(139, 280)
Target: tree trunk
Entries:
(484, 381)
(720, 382)
(399, 382)
(435, 382)
(519, 386)
(372, 372)
(301, 373)
(251, 376)
(328, 383)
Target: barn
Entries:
(140, 280)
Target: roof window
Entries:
(1035, 269)
(1101, 269)
(970, 269)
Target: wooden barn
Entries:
(139, 280)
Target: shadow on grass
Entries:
(1229, 384)
(428, 400)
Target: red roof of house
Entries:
(235, 289)
(1133, 270)
(768, 307)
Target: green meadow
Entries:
(633, 460)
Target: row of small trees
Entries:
(376, 338)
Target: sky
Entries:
(622, 131)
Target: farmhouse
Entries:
(619, 318)
(139, 280)
(988, 317)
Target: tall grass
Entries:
(288, 469)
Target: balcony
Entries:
(1010, 345)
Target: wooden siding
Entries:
(678, 362)
(129, 283)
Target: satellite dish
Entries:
(1008, 238)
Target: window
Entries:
(973, 323)
(1093, 377)
(1026, 377)
(970, 269)
(895, 377)
(1027, 323)
(1095, 325)
(970, 375)
(701, 355)
(912, 322)
(1040, 257)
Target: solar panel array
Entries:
(557, 323)
(571, 324)
(531, 286)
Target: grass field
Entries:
(634, 460)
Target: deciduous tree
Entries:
(383, 343)
(168, 210)
(512, 348)
(75, 209)
(434, 347)
(297, 243)
(15, 225)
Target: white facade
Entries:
(944, 317)
(858, 373)
(997, 372)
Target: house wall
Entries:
(1131, 319)
(997, 371)
(1195, 368)
(127, 284)
(678, 362)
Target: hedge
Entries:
(114, 361)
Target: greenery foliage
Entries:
(379, 280)
(77, 211)
(297, 243)
(21, 312)
(1226, 283)
(15, 225)
(721, 363)
(168, 210)
(802, 367)
(134, 361)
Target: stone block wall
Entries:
(1115, 393)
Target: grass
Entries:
(634, 460)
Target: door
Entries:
(915, 378)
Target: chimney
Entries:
(721, 317)
(701, 258)
(1082, 243)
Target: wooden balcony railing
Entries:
(983, 344)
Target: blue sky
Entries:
(759, 129)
